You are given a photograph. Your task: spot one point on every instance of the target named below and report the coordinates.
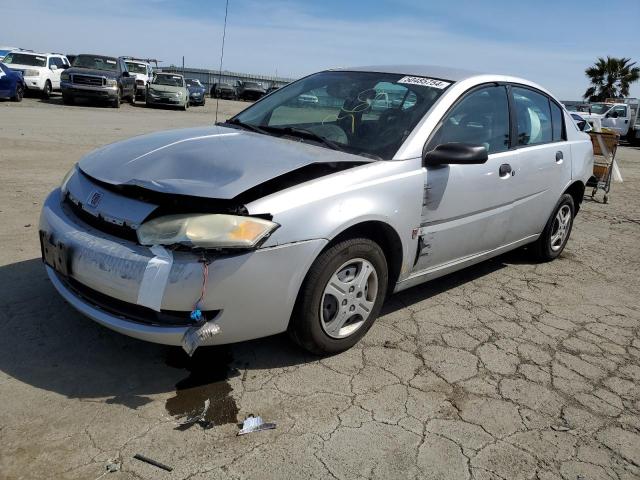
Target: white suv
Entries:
(41, 71)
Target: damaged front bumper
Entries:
(249, 295)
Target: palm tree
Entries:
(610, 78)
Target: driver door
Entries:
(55, 72)
(467, 208)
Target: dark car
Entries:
(224, 90)
(98, 77)
(11, 84)
(250, 91)
(272, 89)
(196, 91)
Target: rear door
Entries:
(467, 208)
(544, 160)
(55, 73)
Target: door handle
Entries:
(505, 170)
(559, 156)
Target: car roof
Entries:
(433, 71)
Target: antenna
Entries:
(224, 34)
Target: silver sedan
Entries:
(304, 216)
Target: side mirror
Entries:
(456, 153)
(53, 67)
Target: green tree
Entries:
(610, 78)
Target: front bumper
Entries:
(253, 293)
(107, 93)
(34, 83)
(172, 101)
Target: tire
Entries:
(132, 99)
(186, 106)
(19, 93)
(117, 100)
(317, 324)
(46, 91)
(548, 247)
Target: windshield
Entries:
(169, 80)
(252, 85)
(25, 59)
(364, 113)
(136, 67)
(95, 62)
(600, 108)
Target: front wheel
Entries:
(19, 93)
(556, 233)
(340, 297)
(46, 91)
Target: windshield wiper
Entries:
(308, 134)
(246, 126)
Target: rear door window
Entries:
(557, 122)
(533, 116)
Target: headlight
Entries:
(179, 94)
(32, 73)
(206, 231)
(64, 77)
(67, 177)
(112, 82)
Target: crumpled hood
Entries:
(212, 162)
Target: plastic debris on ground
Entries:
(255, 424)
(151, 461)
(199, 419)
(198, 334)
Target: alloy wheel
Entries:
(561, 227)
(348, 298)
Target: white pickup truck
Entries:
(143, 73)
(620, 115)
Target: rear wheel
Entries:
(340, 297)
(46, 91)
(19, 93)
(557, 231)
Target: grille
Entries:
(99, 223)
(88, 80)
(130, 311)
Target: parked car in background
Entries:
(307, 99)
(142, 71)
(250, 91)
(582, 124)
(167, 89)
(11, 84)
(4, 50)
(197, 92)
(310, 216)
(224, 90)
(41, 71)
(272, 89)
(98, 77)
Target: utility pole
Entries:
(182, 64)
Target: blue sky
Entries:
(548, 41)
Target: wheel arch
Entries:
(576, 190)
(384, 235)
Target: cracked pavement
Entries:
(506, 370)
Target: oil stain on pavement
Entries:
(209, 368)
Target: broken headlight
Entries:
(206, 231)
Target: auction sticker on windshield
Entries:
(425, 82)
